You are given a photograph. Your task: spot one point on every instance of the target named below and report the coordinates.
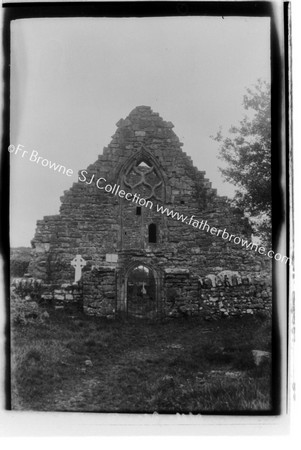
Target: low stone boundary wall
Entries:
(64, 296)
(236, 301)
(215, 296)
(183, 294)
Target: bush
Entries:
(19, 261)
(25, 311)
(18, 268)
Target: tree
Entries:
(247, 152)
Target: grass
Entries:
(89, 364)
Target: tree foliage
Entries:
(247, 152)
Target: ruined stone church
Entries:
(140, 260)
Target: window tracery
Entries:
(143, 175)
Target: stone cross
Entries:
(78, 263)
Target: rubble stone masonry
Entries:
(186, 270)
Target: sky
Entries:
(73, 79)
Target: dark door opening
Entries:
(141, 293)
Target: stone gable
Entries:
(134, 253)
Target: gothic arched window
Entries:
(143, 177)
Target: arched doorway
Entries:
(141, 292)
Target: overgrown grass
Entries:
(89, 364)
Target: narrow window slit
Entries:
(152, 233)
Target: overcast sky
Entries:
(73, 79)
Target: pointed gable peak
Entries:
(142, 117)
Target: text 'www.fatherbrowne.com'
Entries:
(116, 190)
(224, 234)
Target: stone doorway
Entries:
(141, 293)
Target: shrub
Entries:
(19, 261)
(18, 268)
(25, 311)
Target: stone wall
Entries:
(182, 294)
(96, 224)
(99, 288)
(93, 222)
(236, 301)
(226, 295)
(65, 297)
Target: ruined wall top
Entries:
(143, 118)
(143, 133)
